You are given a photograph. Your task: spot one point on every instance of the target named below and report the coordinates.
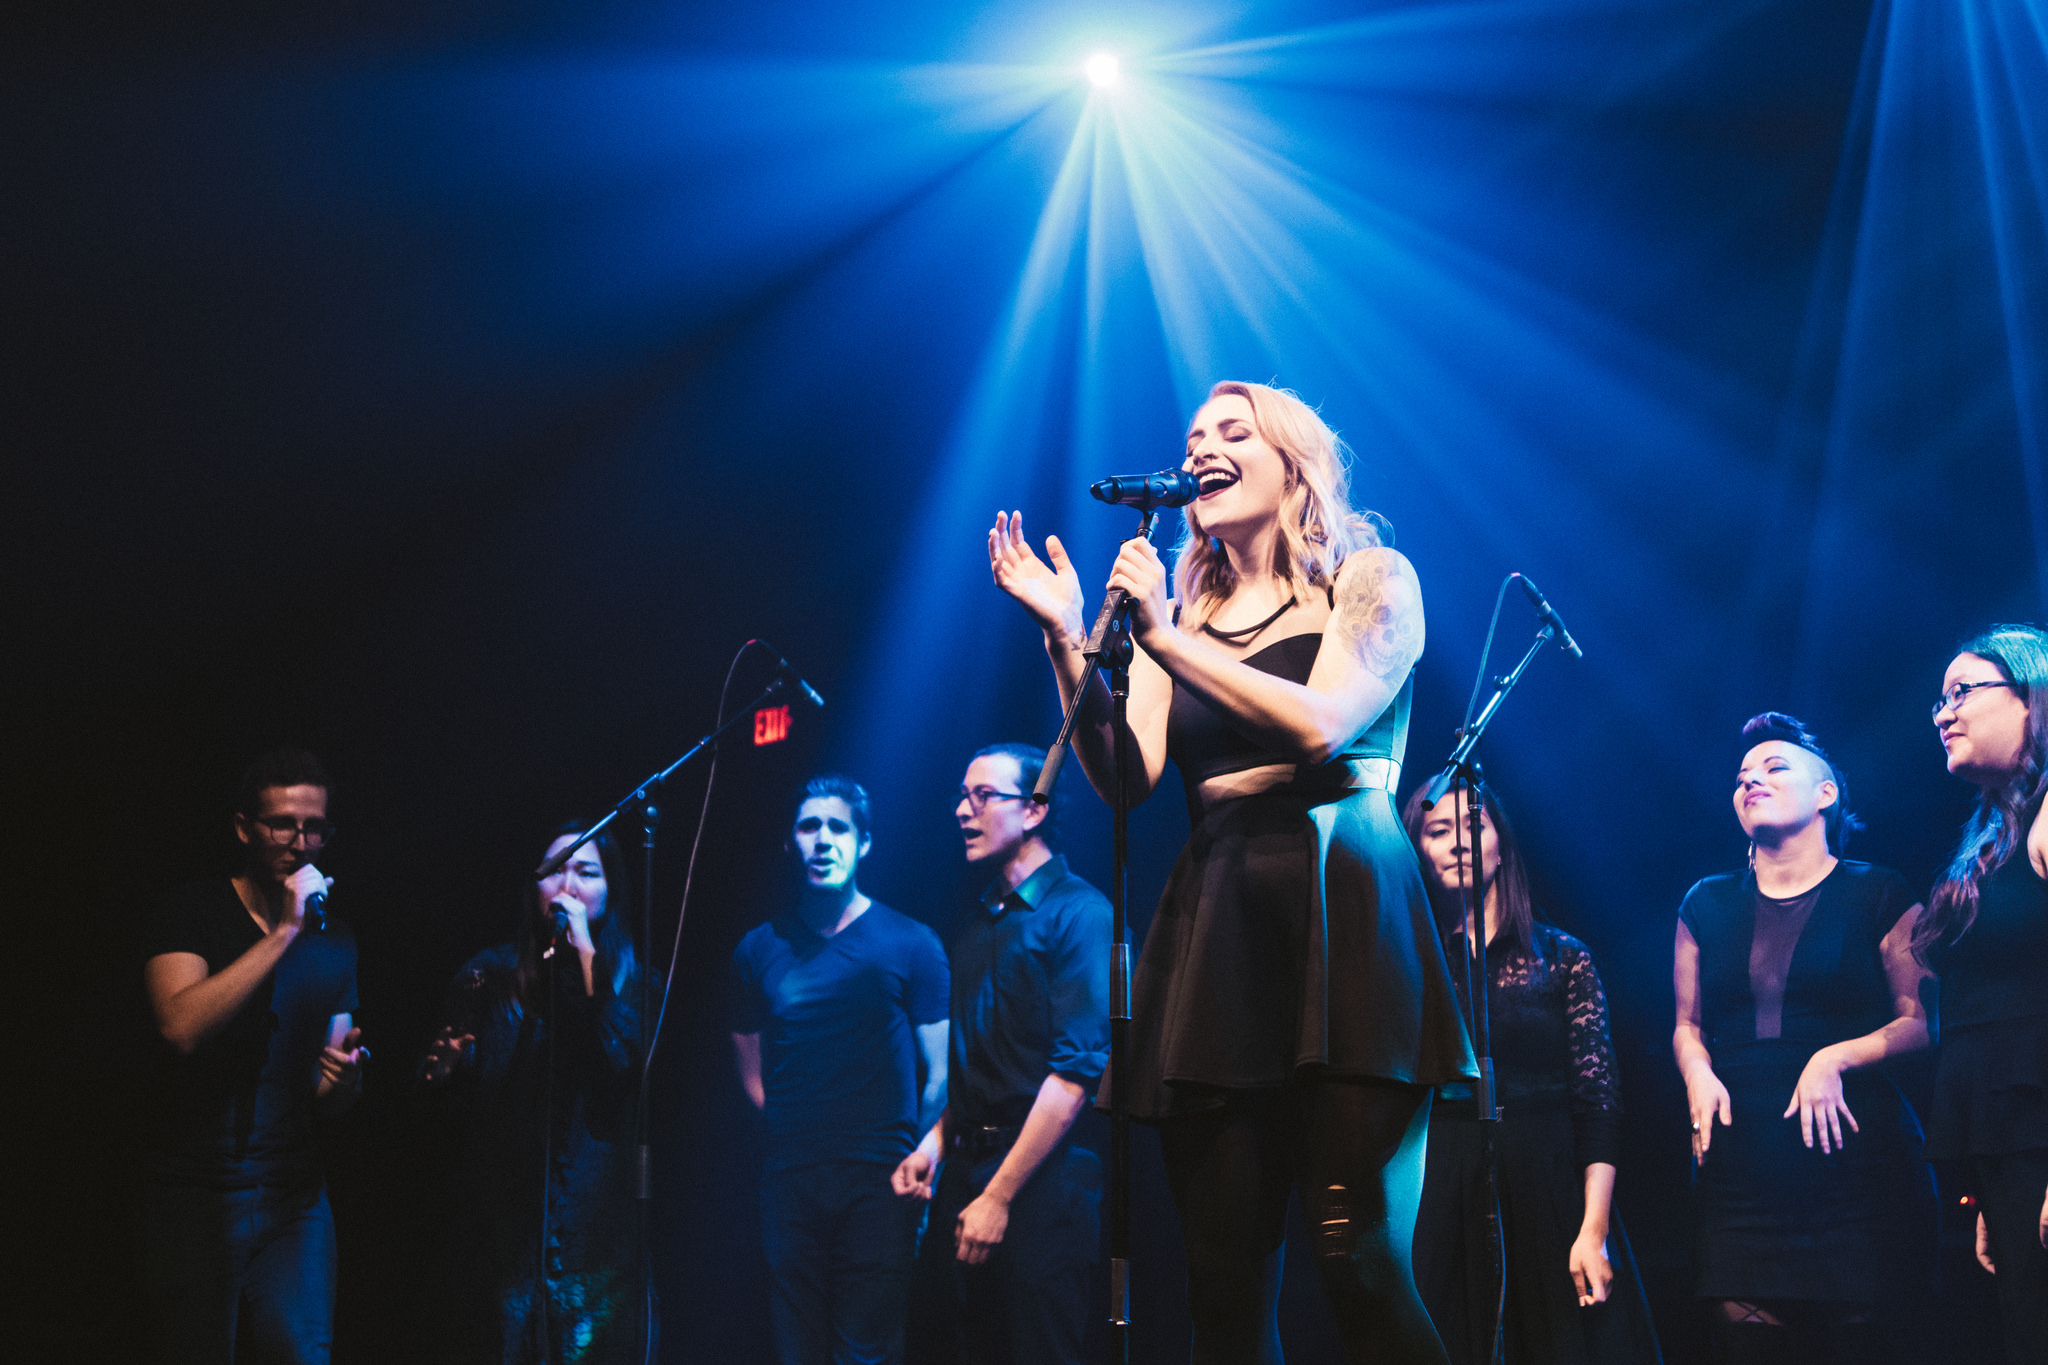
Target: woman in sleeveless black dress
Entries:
(1986, 933)
(1573, 1296)
(1292, 1006)
(1795, 981)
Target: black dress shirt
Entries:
(1030, 996)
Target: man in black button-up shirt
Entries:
(1004, 1274)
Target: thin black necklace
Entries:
(1235, 636)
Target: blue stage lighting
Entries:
(1102, 70)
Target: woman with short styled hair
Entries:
(1795, 981)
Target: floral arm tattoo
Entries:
(1379, 615)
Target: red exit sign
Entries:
(771, 725)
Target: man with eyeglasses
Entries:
(256, 1017)
(1004, 1273)
(835, 1004)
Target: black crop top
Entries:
(1204, 744)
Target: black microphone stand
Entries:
(650, 818)
(1462, 769)
(1109, 647)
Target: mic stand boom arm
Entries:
(1109, 646)
(644, 792)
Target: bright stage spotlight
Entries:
(1101, 69)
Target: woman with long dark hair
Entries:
(542, 1038)
(1986, 933)
(1795, 982)
(1292, 1006)
(1573, 1296)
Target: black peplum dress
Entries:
(1779, 980)
(1560, 1105)
(1294, 932)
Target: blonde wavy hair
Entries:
(1318, 527)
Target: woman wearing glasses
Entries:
(1795, 981)
(1986, 933)
(541, 1042)
(1292, 1006)
(1573, 1297)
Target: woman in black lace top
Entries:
(1795, 982)
(1573, 1297)
(1986, 932)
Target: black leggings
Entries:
(1354, 1150)
(2009, 1191)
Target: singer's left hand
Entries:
(341, 1066)
(1140, 572)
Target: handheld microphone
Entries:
(789, 677)
(1550, 617)
(1167, 488)
(316, 912)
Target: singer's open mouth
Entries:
(1215, 480)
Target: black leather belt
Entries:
(975, 1143)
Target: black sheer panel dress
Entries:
(1560, 1112)
(550, 1097)
(1778, 981)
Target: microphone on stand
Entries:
(789, 677)
(1550, 617)
(1167, 488)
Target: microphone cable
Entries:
(667, 987)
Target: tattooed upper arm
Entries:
(1378, 612)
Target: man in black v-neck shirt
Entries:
(255, 1015)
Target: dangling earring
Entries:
(1752, 855)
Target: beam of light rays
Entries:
(1004, 412)
(1257, 266)
(1943, 304)
(2007, 76)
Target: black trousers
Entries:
(1029, 1303)
(250, 1266)
(2009, 1193)
(839, 1242)
(1353, 1150)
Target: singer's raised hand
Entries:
(576, 918)
(1140, 572)
(1051, 594)
(299, 888)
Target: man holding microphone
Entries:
(255, 1014)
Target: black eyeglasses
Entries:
(282, 829)
(978, 797)
(1953, 698)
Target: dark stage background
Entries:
(454, 387)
